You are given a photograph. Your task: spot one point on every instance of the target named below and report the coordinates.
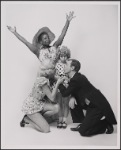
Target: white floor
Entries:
(15, 137)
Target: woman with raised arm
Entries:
(36, 107)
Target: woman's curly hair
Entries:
(64, 51)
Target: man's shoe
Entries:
(110, 129)
(76, 129)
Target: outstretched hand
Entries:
(70, 16)
(13, 30)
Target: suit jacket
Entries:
(81, 88)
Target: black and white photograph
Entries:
(60, 75)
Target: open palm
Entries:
(70, 16)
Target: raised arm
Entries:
(22, 39)
(61, 37)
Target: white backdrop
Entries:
(93, 38)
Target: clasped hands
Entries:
(64, 80)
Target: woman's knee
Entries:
(45, 129)
(39, 122)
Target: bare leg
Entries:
(66, 106)
(38, 121)
(28, 120)
(50, 109)
(59, 99)
(65, 101)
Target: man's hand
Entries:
(72, 103)
(65, 84)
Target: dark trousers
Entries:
(77, 114)
(92, 124)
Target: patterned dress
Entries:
(60, 69)
(35, 101)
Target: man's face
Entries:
(68, 67)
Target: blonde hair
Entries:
(64, 51)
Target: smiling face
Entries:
(44, 40)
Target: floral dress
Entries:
(35, 101)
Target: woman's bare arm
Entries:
(48, 93)
(32, 48)
(61, 37)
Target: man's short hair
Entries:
(76, 64)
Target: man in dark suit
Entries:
(99, 115)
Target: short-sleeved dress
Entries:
(35, 101)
